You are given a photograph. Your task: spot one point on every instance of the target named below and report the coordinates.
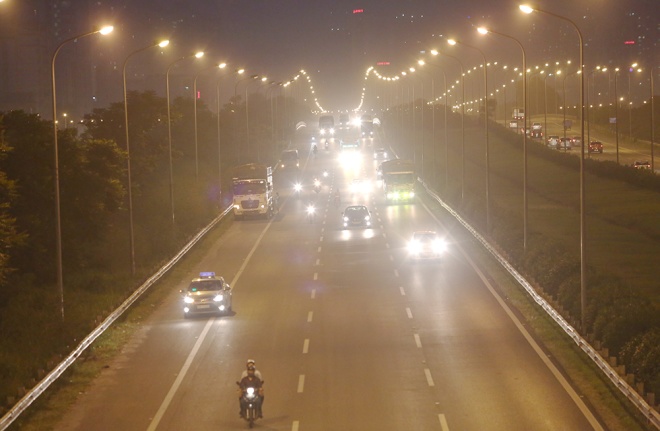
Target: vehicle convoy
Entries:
(326, 125)
(206, 294)
(398, 177)
(252, 186)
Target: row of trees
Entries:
(94, 208)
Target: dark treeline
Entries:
(94, 207)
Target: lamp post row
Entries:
(58, 229)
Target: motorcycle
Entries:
(311, 213)
(325, 173)
(317, 185)
(250, 399)
(327, 145)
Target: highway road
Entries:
(348, 333)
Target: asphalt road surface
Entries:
(348, 333)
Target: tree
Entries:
(9, 235)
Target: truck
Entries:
(252, 187)
(518, 114)
(398, 178)
(327, 125)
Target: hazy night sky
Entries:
(279, 37)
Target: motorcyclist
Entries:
(251, 364)
(251, 381)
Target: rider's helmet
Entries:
(250, 362)
(251, 370)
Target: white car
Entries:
(426, 244)
(207, 294)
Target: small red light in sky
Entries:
(358, 11)
(629, 42)
(383, 63)
(199, 94)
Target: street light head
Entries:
(164, 43)
(264, 79)
(434, 52)
(106, 30)
(200, 54)
(240, 71)
(222, 65)
(483, 30)
(526, 9)
(451, 41)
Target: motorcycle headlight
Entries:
(188, 300)
(218, 298)
(250, 391)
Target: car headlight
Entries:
(414, 247)
(188, 300)
(367, 218)
(218, 298)
(345, 218)
(439, 246)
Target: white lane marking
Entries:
(384, 235)
(418, 341)
(306, 346)
(301, 383)
(295, 425)
(443, 422)
(179, 378)
(318, 250)
(429, 378)
(403, 292)
(313, 293)
(553, 369)
(316, 276)
(409, 313)
(396, 273)
(387, 245)
(321, 240)
(318, 262)
(309, 316)
(391, 258)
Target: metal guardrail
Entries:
(51, 377)
(649, 412)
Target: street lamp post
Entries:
(217, 66)
(58, 220)
(436, 52)
(583, 251)
(483, 56)
(483, 30)
(444, 77)
(169, 124)
(217, 101)
(616, 114)
(162, 44)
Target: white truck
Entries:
(518, 114)
(252, 187)
(398, 178)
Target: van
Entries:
(289, 159)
